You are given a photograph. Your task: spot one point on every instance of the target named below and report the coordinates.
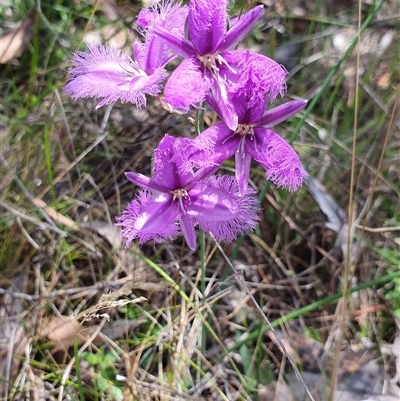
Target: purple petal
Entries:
(245, 82)
(225, 106)
(145, 182)
(207, 23)
(213, 146)
(258, 79)
(182, 161)
(168, 14)
(149, 218)
(178, 44)
(220, 209)
(187, 226)
(107, 73)
(155, 52)
(211, 204)
(213, 104)
(187, 86)
(280, 160)
(169, 169)
(281, 113)
(189, 154)
(242, 165)
(241, 28)
(151, 54)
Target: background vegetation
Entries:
(84, 319)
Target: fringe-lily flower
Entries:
(210, 66)
(252, 138)
(176, 200)
(108, 74)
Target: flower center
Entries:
(133, 72)
(133, 69)
(180, 195)
(212, 62)
(245, 130)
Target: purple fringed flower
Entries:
(176, 200)
(110, 75)
(156, 52)
(252, 139)
(210, 65)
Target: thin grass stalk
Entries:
(34, 64)
(199, 128)
(348, 260)
(203, 288)
(78, 372)
(47, 154)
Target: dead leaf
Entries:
(108, 231)
(335, 215)
(62, 330)
(13, 43)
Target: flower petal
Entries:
(242, 165)
(208, 203)
(145, 182)
(178, 44)
(213, 146)
(225, 107)
(155, 51)
(148, 217)
(241, 28)
(187, 226)
(187, 86)
(188, 153)
(280, 160)
(207, 23)
(259, 79)
(219, 208)
(151, 54)
(168, 14)
(281, 113)
(169, 168)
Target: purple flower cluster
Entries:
(238, 85)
